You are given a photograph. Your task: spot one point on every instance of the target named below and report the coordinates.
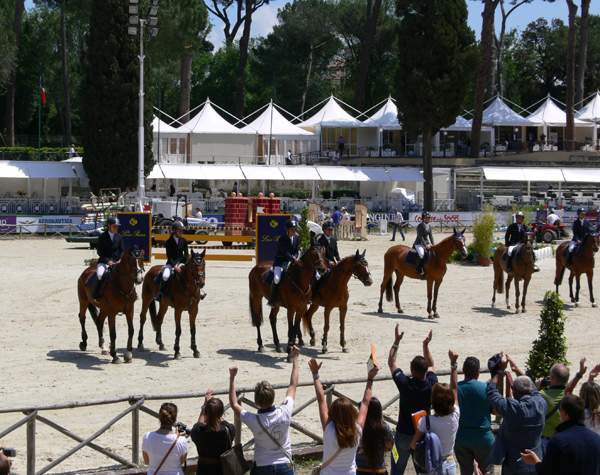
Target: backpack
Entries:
(428, 452)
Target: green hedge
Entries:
(50, 154)
(338, 193)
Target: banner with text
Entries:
(137, 228)
(268, 229)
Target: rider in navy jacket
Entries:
(513, 237)
(177, 255)
(288, 248)
(110, 251)
(329, 243)
(581, 228)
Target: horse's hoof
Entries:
(400, 310)
(141, 348)
(313, 342)
(324, 350)
(430, 317)
(105, 352)
(82, 346)
(279, 349)
(436, 315)
(128, 357)
(493, 305)
(345, 350)
(162, 347)
(379, 310)
(196, 354)
(573, 300)
(261, 349)
(517, 312)
(300, 343)
(177, 356)
(594, 305)
(117, 360)
(508, 307)
(577, 304)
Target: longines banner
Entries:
(137, 228)
(268, 229)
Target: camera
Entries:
(545, 382)
(181, 427)
(9, 452)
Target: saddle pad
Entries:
(505, 256)
(91, 279)
(319, 284)
(411, 258)
(271, 275)
(566, 249)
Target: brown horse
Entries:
(294, 292)
(583, 263)
(334, 294)
(119, 295)
(523, 267)
(184, 294)
(435, 269)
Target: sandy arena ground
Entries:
(42, 363)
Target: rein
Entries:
(196, 282)
(125, 276)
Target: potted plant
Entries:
(484, 224)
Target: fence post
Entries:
(31, 445)
(135, 434)
(237, 422)
(329, 396)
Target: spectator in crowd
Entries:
(377, 438)
(474, 438)
(153, 185)
(321, 214)
(345, 215)
(336, 217)
(590, 393)
(342, 425)
(446, 414)
(415, 396)
(172, 190)
(271, 425)
(198, 213)
(397, 224)
(212, 436)
(165, 449)
(574, 449)
(5, 463)
(523, 421)
(341, 145)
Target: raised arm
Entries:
(593, 373)
(454, 374)
(513, 366)
(291, 392)
(207, 397)
(232, 396)
(364, 407)
(323, 410)
(394, 349)
(427, 353)
(575, 379)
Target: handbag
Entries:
(233, 461)
(163, 460)
(321, 466)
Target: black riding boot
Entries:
(509, 260)
(419, 269)
(273, 298)
(569, 258)
(96, 289)
(161, 290)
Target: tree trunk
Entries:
(365, 58)
(67, 113)
(427, 170)
(487, 37)
(186, 88)
(490, 80)
(501, 51)
(308, 73)
(244, 41)
(570, 102)
(12, 83)
(584, 33)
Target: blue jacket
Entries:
(287, 249)
(331, 249)
(110, 249)
(521, 429)
(336, 217)
(580, 231)
(575, 449)
(177, 253)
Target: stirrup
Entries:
(271, 302)
(159, 297)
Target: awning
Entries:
(503, 174)
(50, 170)
(543, 174)
(300, 173)
(261, 172)
(586, 175)
(371, 174)
(156, 173)
(405, 174)
(179, 171)
(336, 174)
(13, 169)
(222, 172)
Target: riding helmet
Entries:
(328, 225)
(177, 225)
(580, 210)
(291, 224)
(519, 213)
(425, 214)
(113, 220)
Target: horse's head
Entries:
(134, 256)
(528, 240)
(459, 242)
(361, 269)
(314, 257)
(196, 266)
(595, 240)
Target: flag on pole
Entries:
(42, 86)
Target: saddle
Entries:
(271, 275)
(411, 257)
(515, 254)
(92, 278)
(566, 250)
(319, 284)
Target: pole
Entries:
(141, 185)
(271, 132)
(159, 116)
(40, 116)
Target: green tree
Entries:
(304, 230)
(7, 41)
(111, 86)
(437, 57)
(12, 68)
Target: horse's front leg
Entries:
(112, 328)
(429, 298)
(517, 294)
(525, 286)
(436, 289)
(399, 280)
(159, 321)
(308, 320)
(343, 310)
(128, 357)
(291, 332)
(509, 279)
(178, 313)
(578, 287)
(193, 314)
(146, 302)
(100, 327)
(590, 277)
(326, 316)
(571, 277)
(273, 321)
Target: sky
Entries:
(266, 16)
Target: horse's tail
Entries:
(152, 310)
(559, 277)
(389, 295)
(498, 274)
(93, 312)
(256, 318)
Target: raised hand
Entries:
(397, 333)
(594, 372)
(295, 351)
(373, 372)
(428, 338)
(233, 371)
(314, 366)
(453, 355)
(208, 396)
(582, 366)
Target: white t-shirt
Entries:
(157, 446)
(199, 214)
(345, 462)
(398, 219)
(552, 218)
(444, 427)
(277, 422)
(345, 216)
(587, 420)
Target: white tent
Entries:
(549, 114)
(385, 118)
(41, 177)
(271, 124)
(170, 143)
(499, 114)
(591, 113)
(213, 139)
(464, 125)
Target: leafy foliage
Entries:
(304, 231)
(550, 347)
(484, 224)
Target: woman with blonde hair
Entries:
(342, 425)
(212, 436)
(165, 450)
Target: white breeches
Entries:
(100, 270)
(277, 274)
(421, 250)
(167, 272)
(572, 245)
(511, 249)
(317, 275)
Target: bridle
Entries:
(462, 248)
(199, 262)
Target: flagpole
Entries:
(40, 116)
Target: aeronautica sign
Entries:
(38, 224)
